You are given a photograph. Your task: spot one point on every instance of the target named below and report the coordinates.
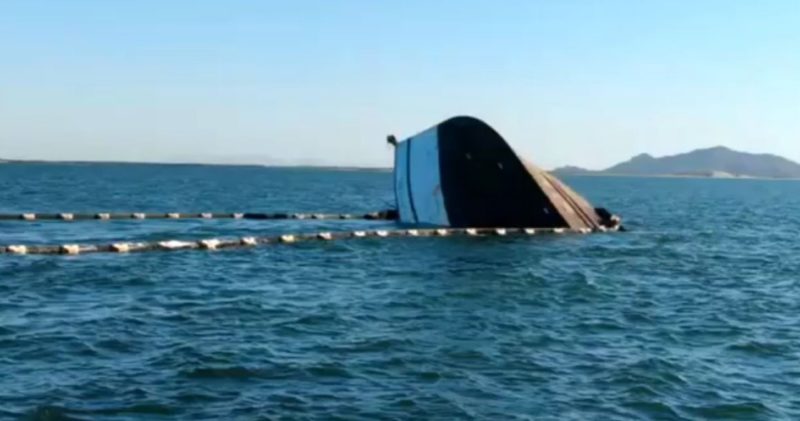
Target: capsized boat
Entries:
(462, 173)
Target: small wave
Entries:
(595, 326)
(370, 346)
(50, 413)
(403, 403)
(195, 397)
(637, 316)
(285, 399)
(642, 390)
(329, 370)
(466, 355)
(222, 373)
(742, 410)
(761, 348)
(654, 409)
(139, 409)
(114, 345)
(310, 320)
(241, 373)
(654, 364)
(655, 374)
(429, 376)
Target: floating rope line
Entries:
(101, 216)
(243, 242)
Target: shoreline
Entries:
(211, 164)
(372, 169)
(678, 176)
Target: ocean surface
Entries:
(692, 314)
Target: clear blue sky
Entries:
(320, 81)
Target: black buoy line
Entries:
(386, 215)
(243, 242)
(209, 244)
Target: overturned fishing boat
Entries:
(462, 173)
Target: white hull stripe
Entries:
(418, 182)
(402, 196)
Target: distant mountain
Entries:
(572, 170)
(717, 159)
(712, 162)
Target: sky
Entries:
(578, 82)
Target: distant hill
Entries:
(712, 162)
(572, 170)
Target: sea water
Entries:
(692, 314)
